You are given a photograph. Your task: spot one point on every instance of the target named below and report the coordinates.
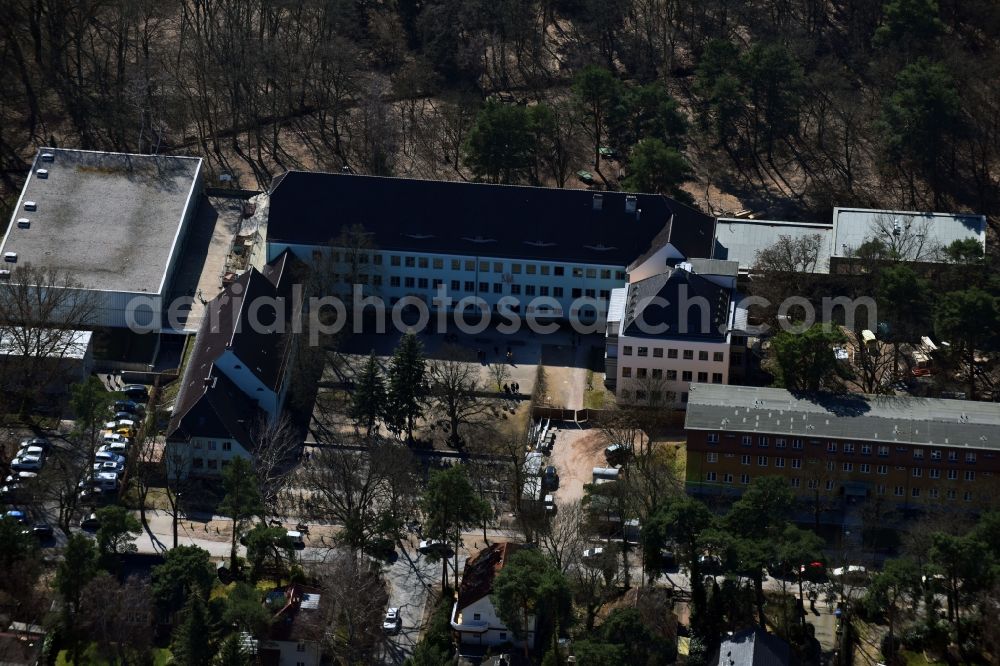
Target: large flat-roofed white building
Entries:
(482, 241)
(113, 223)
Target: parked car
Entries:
(129, 406)
(21, 477)
(115, 439)
(9, 491)
(117, 448)
(90, 522)
(32, 451)
(296, 539)
(40, 442)
(17, 515)
(616, 454)
(42, 531)
(136, 392)
(593, 553)
(108, 455)
(26, 463)
(433, 546)
(550, 478)
(123, 416)
(108, 466)
(391, 623)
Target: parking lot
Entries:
(575, 454)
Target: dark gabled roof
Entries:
(226, 325)
(477, 578)
(753, 647)
(681, 311)
(447, 217)
(216, 408)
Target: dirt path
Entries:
(575, 455)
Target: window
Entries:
(476, 616)
(967, 496)
(796, 463)
(671, 353)
(866, 449)
(762, 442)
(865, 468)
(394, 281)
(515, 289)
(880, 490)
(831, 447)
(918, 454)
(970, 475)
(703, 356)
(197, 444)
(591, 273)
(409, 282)
(620, 275)
(686, 375)
(377, 280)
(470, 285)
(898, 491)
(917, 472)
(744, 460)
(716, 377)
(556, 270)
(576, 293)
(728, 478)
(672, 375)
(626, 372)
(718, 357)
(543, 291)
(577, 272)
(883, 451)
(688, 354)
(712, 457)
(227, 446)
(952, 456)
(747, 440)
(970, 457)
(497, 287)
(410, 262)
(529, 290)
(642, 351)
(745, 479)
(212, 445)
(761, 461)
(657, 373)
(498, 267)
(795, 482)
(557, 292)
(848, 447)
(934, 473)
(658, 352)
(883, 469)
(779, 462)
(301, 647)
(422, 283)
(627, 350)
(710, 476)
(779, 443)
(797, 444)
(713, 438)
(950, 494)
(848, 467)
(438, 263)
(529, 269)
(503, 635)
(394, 260)
(915, 492)
(456, 285)
(702, 376)
(545, 270)
(934, 493)
(829, 485)
(605, 273)
(830, 466)
(812, 484)
(952, 474)
(936, 454)
(213, 464)
(640, 373)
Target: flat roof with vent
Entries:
(111, 220)
(870, 418)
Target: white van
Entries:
(295, 538)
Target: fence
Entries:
(595, 416)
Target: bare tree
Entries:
(790, 255)
(39, 310)
(273, 445)
(454, 389)
(500, 373)
(904, 237)
(119, 616)
(352, 601)
(177, 462)
(368, 492)
(565, 535)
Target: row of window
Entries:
(486, 287)
(848, 447)
(864, 468)
(642, 396)
(671, 375)
(813, 484)
(211, 463)
(688, 354)
(213, 445)
(469, 265)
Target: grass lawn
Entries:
(918, 659)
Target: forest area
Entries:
(784, 107)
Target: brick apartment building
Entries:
(906, 452)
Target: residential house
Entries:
(474, 620)
(237, 376)
(754, 647)
(296, 632)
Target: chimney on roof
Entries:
(598, 202)
(630, 203)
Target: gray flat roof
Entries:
(740, 240)
(111, 220)
(853, 226)
(889, 419)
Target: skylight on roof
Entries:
(539, 243)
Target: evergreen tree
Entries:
(368, 401)
(501, 146)
(450, 503)
(969, 321)
(407, 384)
(231, 652)
(77, 568)
(805, 361)
(657, 168)
(596, 90)
(241, 501)
(186, 570)
(191, 642)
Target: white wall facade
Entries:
(295, 653)
(201, 456)
(249, 384)
(478, 624)
(394, 275)
(647, 364)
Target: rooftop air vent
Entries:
(10, 257)
(630, 203)
(598, 202)
(42, 173)
(539, 243)
(47, 157)
(23, 223)
(30, 205)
